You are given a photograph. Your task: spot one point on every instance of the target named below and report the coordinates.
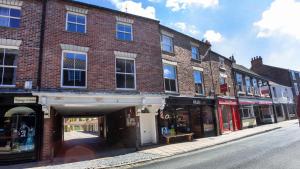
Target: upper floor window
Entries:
(124, 31)
(167, 43)
(170, 78)
(8, 66)
(293, 75)
(198, 78)
(195, 53)
(76, 22)
(248, 85)
(274, 92)
(255, 86)
(239, 82)
(10, 17)
(222, 80)
(74, 69)
(125, 73)
(222, 62)
(296, 89)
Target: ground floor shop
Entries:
(255, 112)
(21, 120)
(187, 115)
(229, 119)
(113, 121)
(285, 111)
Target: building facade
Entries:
(254, 99)
(20, 114)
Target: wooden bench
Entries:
(189, 136)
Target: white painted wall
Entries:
(281, 94)
(148, 128)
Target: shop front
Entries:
(187, 115)
(256, 111)
(229, 118)
(21, 121)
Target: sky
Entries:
(243, 28)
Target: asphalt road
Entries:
(279, 149)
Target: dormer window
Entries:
(195, 53)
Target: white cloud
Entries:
(212, 36)
(186, 28)
(177, 5)
(155, 1)
(135, 8)
(282, 18)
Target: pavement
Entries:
(279, 149)
(161, 152)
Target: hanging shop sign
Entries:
(25, 100)
(224, 88)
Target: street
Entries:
(279, 149)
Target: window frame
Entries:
(15, 78)
(221, 62)
(250, 81)
(161, 43)
(198, 53)
(124, 23)
(62, 68)
(4, 16)
(176, 81)
(79, 14)
(242, 82)
(125, 58)
(202, 82)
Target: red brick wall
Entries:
(183, 56)
(101, 39)
(29, 33)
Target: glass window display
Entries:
(17, 130)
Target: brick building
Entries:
(254, 98)
(20, 115)
(285, 77)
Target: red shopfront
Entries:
(229, 118)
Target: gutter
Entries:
(42, 39)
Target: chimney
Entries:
(256, 61)
(232, 59)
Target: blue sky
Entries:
(244, 28)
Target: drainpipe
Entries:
(41, 46)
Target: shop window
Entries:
(248, 85)
(247, 112)
(239, 80)
(10, 17)
(17, 131)
(8, 66)
(198, 78)
(76, 23)
(167, 43)
(74, 69)
(124, 31)
(125, 73)
(170, 78)
(195, 53)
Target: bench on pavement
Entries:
(189, 136)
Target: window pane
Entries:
(80, 61)
(169, 72)
(81, 28)
(173, 85)
(15, 12)
(127, 37)
(14, 23)
(4, 11)
(9, 76)
(197, 77)
(10, 57)
(127, 28)
(4, 22)
(71, 18)
(68, 77)
(129, 66)
(69, 60)
(71, 27)
(1, 57)
(120, 35)
(120, 65)
(120, 78)
(120, 27)
(81, 19)
(79, 78)
(130, 81)
(167, 85)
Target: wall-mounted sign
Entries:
(25, 99)
(265, 91)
